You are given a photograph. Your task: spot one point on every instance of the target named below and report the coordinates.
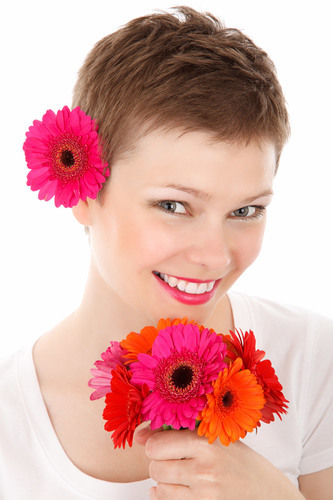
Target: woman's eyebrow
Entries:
(267, 192)
(198, 193)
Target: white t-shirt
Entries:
(34, 466)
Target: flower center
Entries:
(227, 399)
(182, 377)
(179, 376)
(67, 158)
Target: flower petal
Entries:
(67, 144)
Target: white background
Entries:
(44, 252)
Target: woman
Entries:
(192, 121)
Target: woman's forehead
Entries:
(196, 165)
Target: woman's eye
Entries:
(249, 212)
(174, 207)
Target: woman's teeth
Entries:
(187, 286)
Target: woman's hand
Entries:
(185, 466)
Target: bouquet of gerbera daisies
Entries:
(182, 375)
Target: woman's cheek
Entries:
(248, 245)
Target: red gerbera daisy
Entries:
(276, 403)
(123, 407)
(244, 345)
(63, 154)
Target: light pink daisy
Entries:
(179, 374)
(64, 156)
(101, 380)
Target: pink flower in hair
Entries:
(179, 374)
(64, 157)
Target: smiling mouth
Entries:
(191, 287)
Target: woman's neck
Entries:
(103, 317)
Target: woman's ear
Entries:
(82, 213)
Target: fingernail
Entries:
(142, 432)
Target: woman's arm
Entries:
(317, 486)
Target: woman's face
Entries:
(181, 219)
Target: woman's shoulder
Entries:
(289, 319)
(18, 385)
(14, 367)
(10, 360)
(8, 371)
(287, 333)
(16, 373)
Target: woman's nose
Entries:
(210, 249)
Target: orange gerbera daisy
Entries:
(233, 408)
(142, 342)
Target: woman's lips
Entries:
(193, 292)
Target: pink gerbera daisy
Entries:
(101, 380)
(63, 154)
(179, 374)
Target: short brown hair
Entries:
(185, 70)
